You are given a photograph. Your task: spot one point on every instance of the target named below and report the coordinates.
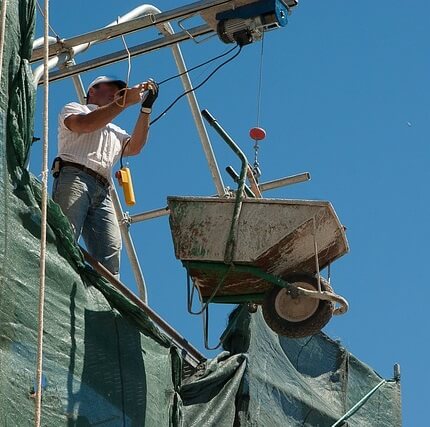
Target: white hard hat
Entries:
(107, 79)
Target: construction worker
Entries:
(88, 147)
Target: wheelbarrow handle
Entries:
(240, 194)
(227, 138)
(327, 296)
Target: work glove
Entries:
(149, 97)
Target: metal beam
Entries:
(128, 27)
(129, 245)
(156, 213)
(195, 111)
(189, 352)
(283, 182)
(134, 51)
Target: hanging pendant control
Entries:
(124, 180)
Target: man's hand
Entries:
(149, 97)
(130, 95)
(140, 133)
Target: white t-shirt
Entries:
(98, 150)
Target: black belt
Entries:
(89, 171)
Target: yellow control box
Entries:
(124, 179)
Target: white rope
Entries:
(127, 82)
(2, 33)
(39, 368)
(122, 104)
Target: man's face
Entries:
(103, 93)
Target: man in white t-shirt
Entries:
(88, 147)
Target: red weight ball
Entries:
(257, 133)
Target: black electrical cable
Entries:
(196, 87)
(197, 66)
(122, 152)
(188, 91)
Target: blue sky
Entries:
(345, 97)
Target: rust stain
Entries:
(235, 284)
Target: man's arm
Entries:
(86, 123)
(140, 132)
(139, 136)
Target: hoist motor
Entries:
(246, 24)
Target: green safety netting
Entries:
(105, 363)
(311, 381)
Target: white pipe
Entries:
(59, 60)
(52, 63)
(143, 48)
(40, 41)
(145, 9)
(63, 58)
(137, 24)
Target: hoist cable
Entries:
(197, 66)
(260, 82)
(259, 92)
(196, 87)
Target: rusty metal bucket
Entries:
(274, 235)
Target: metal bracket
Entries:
(126, 219)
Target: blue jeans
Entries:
(87, 204)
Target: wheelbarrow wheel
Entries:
(301, 316)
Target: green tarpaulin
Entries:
(105, 363)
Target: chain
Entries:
(256, 167)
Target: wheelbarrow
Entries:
(261, 251)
